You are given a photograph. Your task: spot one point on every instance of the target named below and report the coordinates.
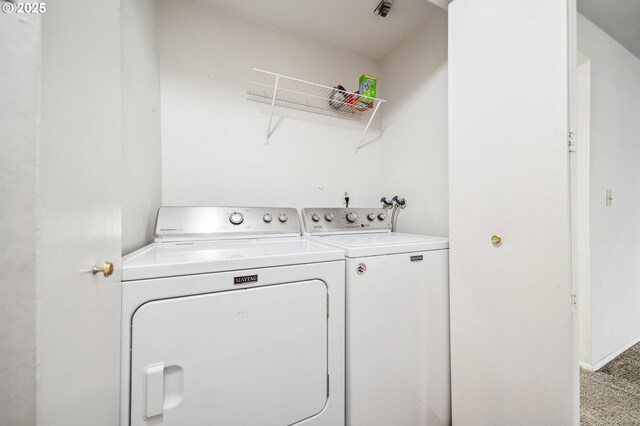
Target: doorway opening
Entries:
(609, 362)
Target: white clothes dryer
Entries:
(398, 357)
(231, 318)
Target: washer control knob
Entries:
(267, 218)
(352, 217)
(283, 218)
(315, 217)
(328, 217)
(371, 216)
(382, 216)
(236, 218)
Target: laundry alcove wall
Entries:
(212, 138)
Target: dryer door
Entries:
(254, 356)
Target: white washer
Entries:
(231, 318)
(398, 358)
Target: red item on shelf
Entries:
(354, 102)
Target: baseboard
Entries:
(605, 360)
(586, 366)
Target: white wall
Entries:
(414, 140)
(19, 111)
(141, 149)
(444, 4)
(615, 155)
(213, 138)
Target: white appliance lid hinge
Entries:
(574, 300)
(571, 140)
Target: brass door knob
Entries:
(496, 239)
(106, 269)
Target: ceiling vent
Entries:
(383, 8)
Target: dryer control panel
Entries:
(323, 220)
(214, 223)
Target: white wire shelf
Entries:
(281, 90)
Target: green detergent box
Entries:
(367, 88)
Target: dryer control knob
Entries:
(236, 218)
(315, 217)
(328, 217)
(283, 218)
(371, 216)
(352, 217)
(382, 216)
(267, 217)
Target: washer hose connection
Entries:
(396, 204)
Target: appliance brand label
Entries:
(416, 258)
(245, 279)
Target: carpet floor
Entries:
(611, 396)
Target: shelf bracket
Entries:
(273, 105)
(367, 127)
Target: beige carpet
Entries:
(611, 396)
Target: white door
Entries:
(398, 340)
(245, 357)
(79, 214)
(511, 314)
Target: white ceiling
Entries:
(618, 18)
(350, 25)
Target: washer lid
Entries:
(159, 260)
(375, 244)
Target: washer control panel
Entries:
(212, 223)
(323, 220)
